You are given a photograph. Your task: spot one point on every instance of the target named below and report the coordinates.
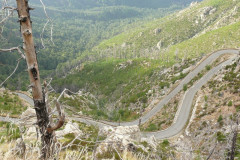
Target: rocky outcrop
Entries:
(151, 141)
(65, 95)
(120, 138)
(157, 31)
(206, 11)
(69, 128)
(124, 65)
(193, 4)
(159, 45)
(28, 118)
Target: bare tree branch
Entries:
(212, 152)
(48, 20)
(10, 9)
(18, 61)
(61, 120)
(61, 115)
(12, 49)
(117, 153)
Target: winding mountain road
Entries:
(185, 106)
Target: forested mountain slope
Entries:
(91, 53)
(162, 35)
(137, 69)
(78, 26)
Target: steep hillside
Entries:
(164, 36)
(75, 32)
(184, 36)
(215, 116)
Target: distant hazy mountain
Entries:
(85, 4)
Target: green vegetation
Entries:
(151, 127)
(112, 80)
(8, 132)
(11, 104)
(87, 4)
(221, 137)
(78, 27)
(185, 87)
(82, 142)
(188, 40)
(208, 67)
(237, 154)
(230, 103)
(220, 120)
(232, 79)
(166, 149)
(129, 88)
(118, 84)
(205, 98)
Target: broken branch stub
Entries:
(61, 119)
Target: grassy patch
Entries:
(11, 104)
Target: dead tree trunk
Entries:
(37, 91)
(233, 147)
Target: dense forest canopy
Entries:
(78, 26)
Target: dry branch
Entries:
(45, 25)
(18, 61)
(11, 9)
(61, 120)
(13, 49)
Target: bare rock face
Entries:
(69, 128)
(65, 95)
(193, 4)
(159, 45)
(27, 124)
(124, 65)
(206, 11)
(31, 133)
(106, 130)
(157, 31)
(124, 45)
(28, 118)
(151, 141)
(120, 138)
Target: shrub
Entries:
(230, 103)
(151, 127)
(165, 143)
(221, 137)
(69, 136)
(238, 108)
(204, 124)
(220, 120)
(208, 67)
(185, 87)
(205, 98)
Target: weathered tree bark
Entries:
(233, 146)
(37, 92)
